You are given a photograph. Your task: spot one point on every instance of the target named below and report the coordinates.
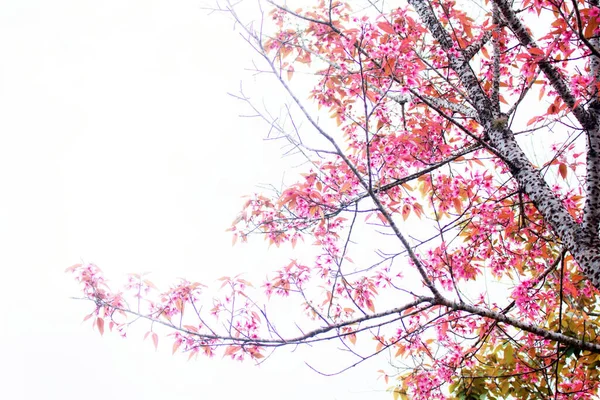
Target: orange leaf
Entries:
(400, 350)
(345, 187)
(562, 170)
(314, 210)
(457, 205)
(290, 73)
(388, 69)
(405, 211)
(532, 120)
(485, 53)
(467, 29)
(245, 282)
(418, 209)
(231, 350)
(352, 338)
(590, 28)
(536, 51)
(371, 95)
(303, 57)
(542, 92)
(176, 346)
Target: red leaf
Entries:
(150, 284)
(386, 27)
(155, 340)
(72, 267)
(370, 305)
(553, 109)
(191, 328)
(100, 324)
(179, 305)
(388, 68)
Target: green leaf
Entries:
(509, 356)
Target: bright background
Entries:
(120, 146)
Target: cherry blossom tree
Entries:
(464, 142)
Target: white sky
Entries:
(119, 146)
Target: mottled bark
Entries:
(579, 241)
(591, 215)
(552, 74)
